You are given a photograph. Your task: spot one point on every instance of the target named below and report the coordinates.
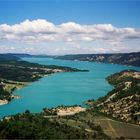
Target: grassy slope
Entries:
(115, 128)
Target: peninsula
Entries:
(15, 74)
(105, 118)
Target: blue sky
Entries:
(120, 14)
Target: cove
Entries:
(68, 88)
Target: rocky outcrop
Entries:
(118, 58)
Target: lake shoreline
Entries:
(59, 90)
(17, 86)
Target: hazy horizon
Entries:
(69, 27)
(66, 54)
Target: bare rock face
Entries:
(119, 58)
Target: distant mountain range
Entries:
(8, 57)
(132, 59)
(117, 58)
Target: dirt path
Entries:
(112, 129)
(107, 126)
(115, 128)
(105, 119)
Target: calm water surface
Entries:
(63, 88)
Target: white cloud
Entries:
(41, 30)
(42, 36)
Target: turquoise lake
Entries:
(67, 88)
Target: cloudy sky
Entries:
(60, 27)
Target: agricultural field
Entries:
(118, 129)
